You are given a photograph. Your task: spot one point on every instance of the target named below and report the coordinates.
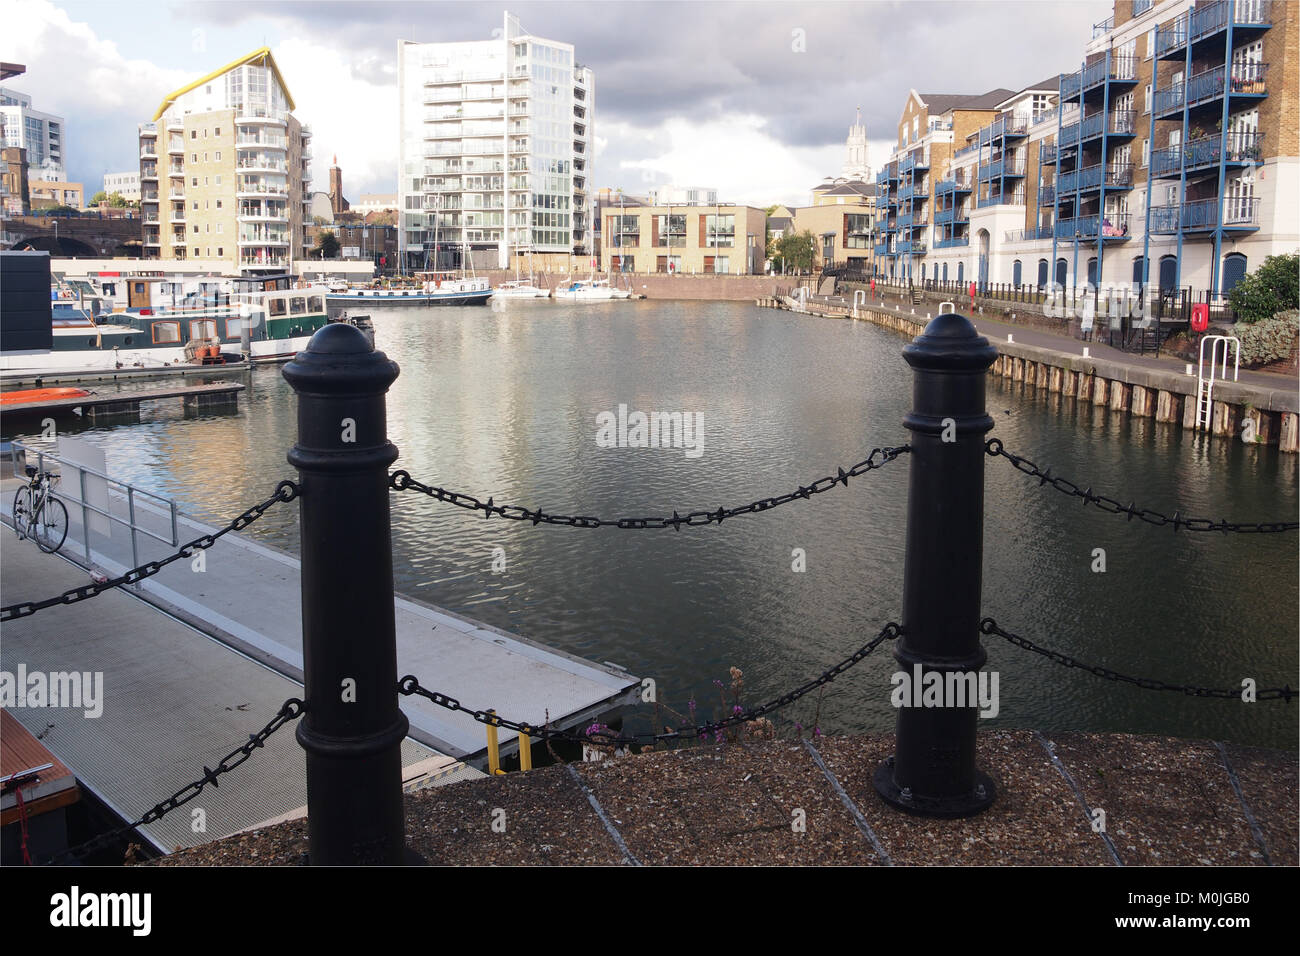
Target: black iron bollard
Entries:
(353, 729)
(933, 770)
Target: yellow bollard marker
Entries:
(525, 751)
(494, 751)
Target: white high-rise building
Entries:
(855, 160)
(41, 134)
(495, 151)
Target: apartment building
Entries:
(49, 193)
(15, 194)
(42, 135)
(719, 239)
(224, 170)
(496, 143)
(126, 185)
(931, 130)
(1168, 159)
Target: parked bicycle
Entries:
(38, 514)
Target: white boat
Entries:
(433, 288)
(591, 290)
(520, 289)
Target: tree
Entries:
(117, 201)
(98, 198)
(1272, 288)
(796, 248)
(327, 244)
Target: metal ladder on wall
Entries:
(1205, 383)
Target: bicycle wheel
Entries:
(22, 513)
(51, 525)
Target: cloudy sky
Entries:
(753, 98)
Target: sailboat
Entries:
(517, 288)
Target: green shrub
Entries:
(1272, 288)
(1269, 340)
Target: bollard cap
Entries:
(950, 343)
(339, 360)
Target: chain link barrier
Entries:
(290, 710)
(990, 627)
(995, 449)
(410, 685)
(402, 481)
(285, 491)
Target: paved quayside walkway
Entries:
(249, 597)
(1167, 801)
(174, 701)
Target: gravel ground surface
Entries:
(770, 803)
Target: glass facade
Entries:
(489, 144)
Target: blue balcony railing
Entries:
(1031, 234)
(1087, 178)
(954, 214)
(1171, 39)
(911, 247)
(1207, 19)
(1070, 84)
(1083, 227)
(1102, 28)
(952, 242)
(958, 184)
(1234, 149)
(1118, 68)
(965, 150)
(1047, 194)
(1203, 215)
(903, 221)
(1046, 154)
(905, 165)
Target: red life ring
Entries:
(1200, 317)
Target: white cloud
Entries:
(350, 116)
(735, 154)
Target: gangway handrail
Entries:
(18, 457)
(1205, 386)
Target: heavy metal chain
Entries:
(411, 685)
(990, 626)
(995, 449)
(291, 709)
(284, 491)
(402, 481)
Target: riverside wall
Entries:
(1271, 416)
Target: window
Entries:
(297, 305)
(276, 307)
(196, 205)
(203, 328)
(196, 181)
(220, 226)
(205, 157)
(315, 304)
(722, 264)
(218, 133)
(166, 332)
(670, 230)
(1016, 272)
(1146, 99)
(720, 231)
(208, 88)
(235, 325)
(1146, 151)
(194, 134)
(220, 250)
(218, 152)
(218, 183)
(1234, 270)
(196, 229)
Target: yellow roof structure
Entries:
(260, 57)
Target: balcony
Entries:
(1208, 152)
(1207, 20)
(1203, 215)
(1084, 227)
(1047, 154)
(263, 262)
(1119, 176)
(260, 141)
(260, 115)
(959, 184)
(882, 249)
(1047, 194)
(911, 247)
(1102, 28)
(1247, 80)
(966, 150)
(1009, 127)
(263, 165)
(1089, 177)
(1032, 234)
(260, 189)
(952, 242)
(148, 149)
(951, 216)
(903, 221)
(148, 172)
(1003, 167)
